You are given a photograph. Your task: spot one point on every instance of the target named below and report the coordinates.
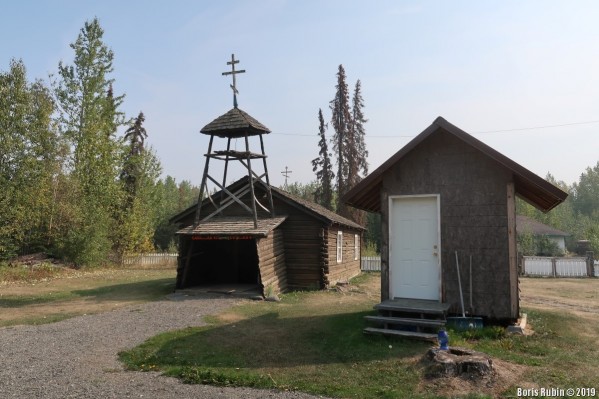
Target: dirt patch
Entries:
(578, 296)
(505, 374)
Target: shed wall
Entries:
(474, 221)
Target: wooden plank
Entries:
(414, 306)
(405, 321)
(513, 252)
(399, 333)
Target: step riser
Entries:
(406, 322)
(399, 333)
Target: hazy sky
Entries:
(488, 67)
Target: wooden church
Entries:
(250, 235)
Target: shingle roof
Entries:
(306, 206)
(532, 188)
(317, 209)
(235, 123)
(233, 227)
(526, 224)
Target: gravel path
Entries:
(77, 358)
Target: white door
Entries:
(414, 259)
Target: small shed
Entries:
(305, 246)
(446, 191)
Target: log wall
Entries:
(271, 258)
(350, 260)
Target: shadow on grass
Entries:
(137, 291)
(272, 341)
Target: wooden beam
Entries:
(512, 250)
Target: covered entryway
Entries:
(223, 261)
(414, 242)
(228, 253)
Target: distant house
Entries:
(524, 224)
(446, 192)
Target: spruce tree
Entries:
(323, 168)
(130, 175)
(139, 214)
(341, 121)
(356, 149)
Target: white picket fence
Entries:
(531, 265)
(151, 259)
(370, 264)
(556, 267)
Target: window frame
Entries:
(339, 246)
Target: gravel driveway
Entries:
(77, 358)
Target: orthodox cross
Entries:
(286, 173)
(233, 72)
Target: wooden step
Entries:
(400, 333)
(406, 321)
(414, 306)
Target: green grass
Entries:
(313, 342)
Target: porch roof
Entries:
(233, 227)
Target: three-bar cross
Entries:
(233, 72)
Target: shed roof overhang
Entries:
(530, 187)
(232, 228)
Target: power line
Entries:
(537, 127)
(477, 132)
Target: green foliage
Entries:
(305, 191)
(29, 151)
(526, 243)
(88, 119)
(170, 199)
(139, 214)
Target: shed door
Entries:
(414, 266)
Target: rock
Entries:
(272, 298)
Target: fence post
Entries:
(554, 267)
(590, 264)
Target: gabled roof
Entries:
(235, 123)
(317, 211)
(526, 224)
(233, 227)
(530, 187)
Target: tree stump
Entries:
(457, 362)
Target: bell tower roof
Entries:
(235, 123)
